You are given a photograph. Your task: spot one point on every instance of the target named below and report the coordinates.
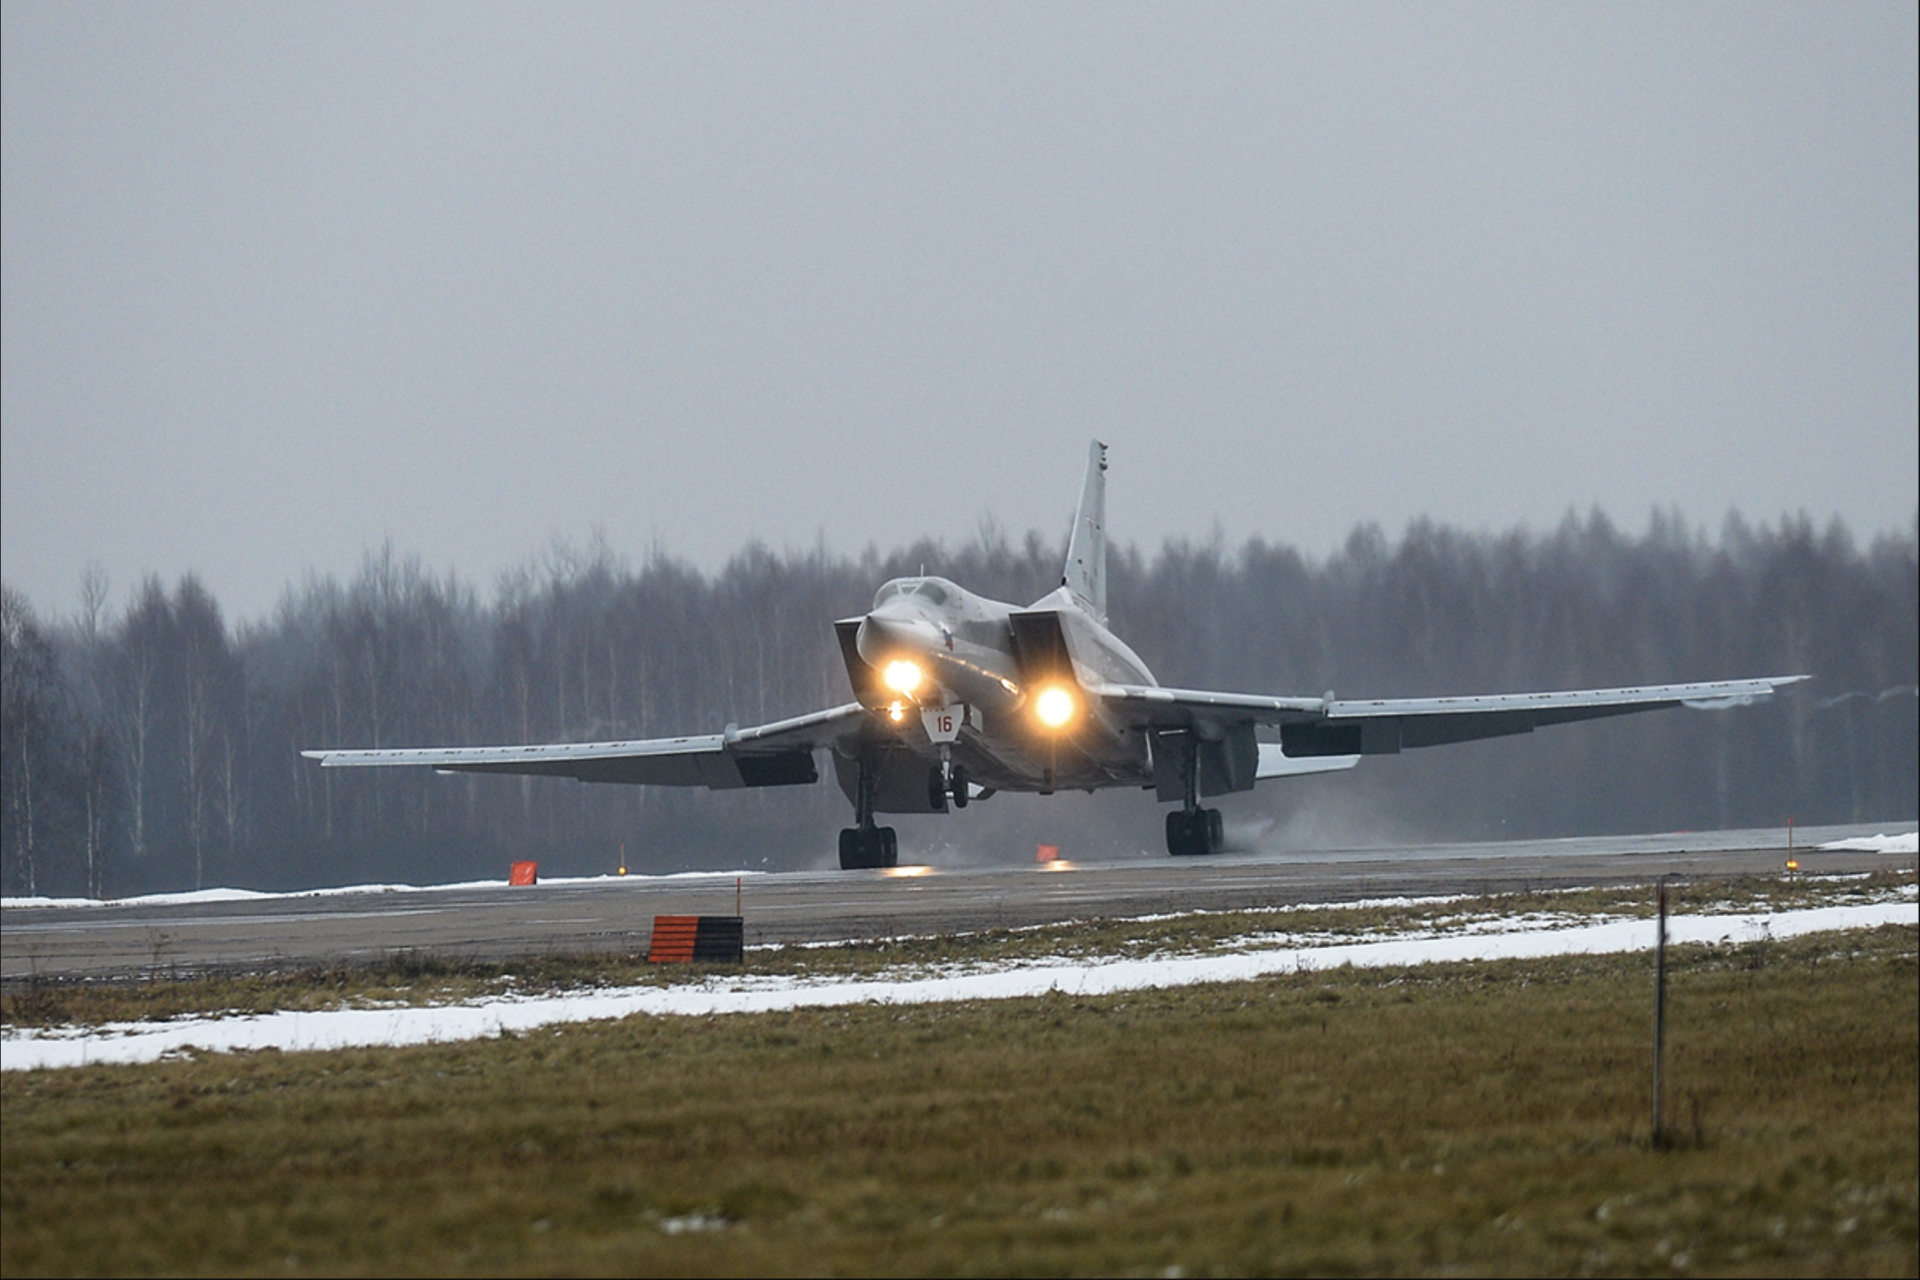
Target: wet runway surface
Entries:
(139, 940)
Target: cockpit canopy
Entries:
(933, 590)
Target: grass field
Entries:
(1488, 1118)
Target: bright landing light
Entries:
(1054, 707)
(902, 676)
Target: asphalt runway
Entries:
(143, 940)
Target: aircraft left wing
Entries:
(1312, 727)
(767, 755)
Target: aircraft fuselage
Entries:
(959, 680)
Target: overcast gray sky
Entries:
(284, 281)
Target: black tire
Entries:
(959, 793)
(1195, 835)
(866, 851)
(936, 790)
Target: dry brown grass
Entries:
(1487, 1118)
(424, 978)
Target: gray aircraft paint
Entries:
(1042, 699)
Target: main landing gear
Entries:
(866, 846)
(1191, 830)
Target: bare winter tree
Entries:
(97, 764)
(209, 683)
(136, 705)
(32, 753)
(193, 767)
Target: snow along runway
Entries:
(1258, 956)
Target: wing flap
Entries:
(1161, 707)
(1276, 763)
(1571, 704)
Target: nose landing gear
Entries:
(947, 781)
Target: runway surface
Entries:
(615, 915)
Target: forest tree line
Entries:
(155, 747)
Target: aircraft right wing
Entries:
(768, 755)
(1315, 727)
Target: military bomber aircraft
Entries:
(957, 697)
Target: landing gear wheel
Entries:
(1195, 834)
(936, 790)
(958, 788)
(868, 848)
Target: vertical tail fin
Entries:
(1085, 576)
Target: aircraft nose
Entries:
(884, 636)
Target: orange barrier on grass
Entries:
(684, 939)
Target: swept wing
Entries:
(767, 755)
(1331, 727)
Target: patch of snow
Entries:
(34, 1048)
(1907, 843)
(247, 895)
